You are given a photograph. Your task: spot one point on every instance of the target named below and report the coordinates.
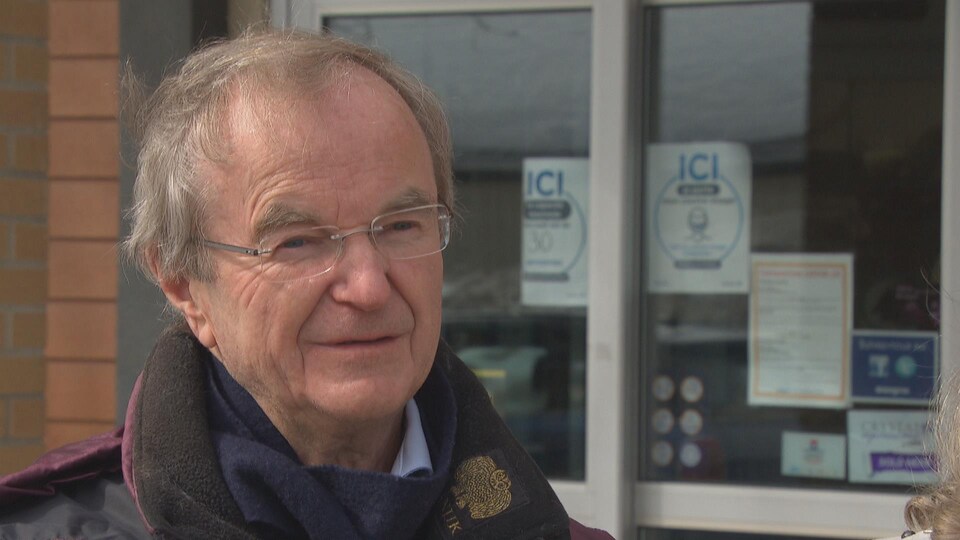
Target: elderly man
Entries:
(293, 196)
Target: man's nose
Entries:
(361, 273)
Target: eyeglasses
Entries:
(305, 252)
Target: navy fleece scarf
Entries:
(282, 498)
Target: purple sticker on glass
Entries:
(894, 462)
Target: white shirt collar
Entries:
(413, 455)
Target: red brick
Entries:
(84, 28)
(84, 87)
(21, 375)
(62, 433)
(23, 198)
(81, 391)
(87, 209)
(84, 148)
(30, 241)
(15, 458)
(23, 108)
(30, 63)
(23, 18)
(26, 418)
(29, 330)
(82, 270)
(30, 153)
(4, 241)
(81, 330)
(23, 286)
(3, 61)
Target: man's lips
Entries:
(365, 340)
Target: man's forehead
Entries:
(277, 122)
(257, 104)
(278, 139)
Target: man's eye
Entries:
(301, 242)
(401, 226)
(292, 243)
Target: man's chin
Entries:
(360, 403)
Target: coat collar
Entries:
(495, 489)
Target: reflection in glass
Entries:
(840, 105)
(515, 86)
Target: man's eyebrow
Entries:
(279, 216)
(410, 198)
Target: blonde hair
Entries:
(938, 507)
(183, 125)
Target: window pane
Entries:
(792, 306)
(516, 89)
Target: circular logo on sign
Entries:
(691, 389)
(661, 453)
(662, 421)
(691, 422)
(663, 388)
(690, 455)
(683, 216)
(906, 367)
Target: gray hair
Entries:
(183, 125)
(938, 507)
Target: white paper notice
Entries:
(554, 254)
(698, 217)
(889, 447)
(813, 455)
(800, 324)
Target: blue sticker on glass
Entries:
(893, 367)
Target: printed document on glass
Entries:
(800, 324)
(556, 198)
(813, 455)
(890, 447)
(698, 217)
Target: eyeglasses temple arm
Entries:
(236, 249)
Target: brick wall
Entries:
(84, 213)
(59, 220)
(23, 228)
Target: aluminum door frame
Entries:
(605, 498)
(609, 498)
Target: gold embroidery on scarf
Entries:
(450, 519)
(482, 487)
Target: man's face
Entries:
(353, 344)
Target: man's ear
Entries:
(189, 297)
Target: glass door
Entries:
(535, 100)
(764, 179)
(792, 187)
(516, 88)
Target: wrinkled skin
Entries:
(333, 359)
